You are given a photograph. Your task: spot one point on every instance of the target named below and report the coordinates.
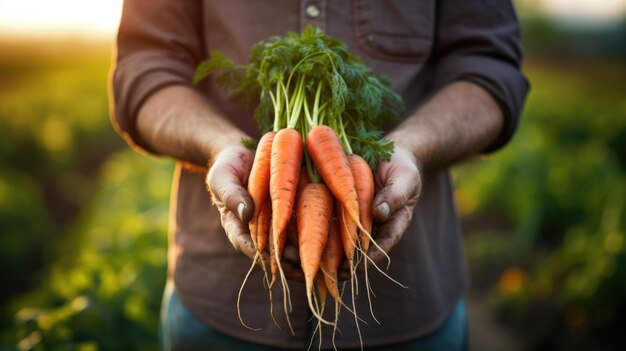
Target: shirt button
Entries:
(312, 11)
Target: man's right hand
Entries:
(226, 181)
(179, 122)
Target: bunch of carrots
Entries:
(321, 110)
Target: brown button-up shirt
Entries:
(420, 45)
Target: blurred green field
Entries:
(545, 217)
(55, 134)
(83, 218)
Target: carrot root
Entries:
(314, 209)
(256, 257)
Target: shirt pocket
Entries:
(399, 30)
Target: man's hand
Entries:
(226, 181)
(460, 120)
(398, 184)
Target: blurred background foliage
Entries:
(83, 219)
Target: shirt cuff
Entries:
(134, 80)
(503, 80)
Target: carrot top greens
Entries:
(308, 79)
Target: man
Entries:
(456, 63)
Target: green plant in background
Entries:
(55, 133)
(24, 226)
(545, 217)
(104, 290)
(561, 186)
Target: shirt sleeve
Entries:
(158, 44)
(479, 41)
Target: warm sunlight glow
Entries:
(101, 17)
(59, 17)
(586, 10)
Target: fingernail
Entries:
(383, 209)
(240, 208)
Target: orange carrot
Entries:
(324, 147)
(292, 228)
(331, 259)
(285, 170)
(326, 151)
(264, 229)
(263, 235)
(259, 180)
(364, 184)
(263, 226)
(348, 233)
(285, 164)
(315, 208)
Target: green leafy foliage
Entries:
(558, 193)
(83, 247)
(218, 62)
(55, 132)
(371, 146)
(104, 291)
(250, 143)
(307, 79)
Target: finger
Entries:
(244, 244)
(227, 190)
(237, 233)
(389, 234)
(396, 194)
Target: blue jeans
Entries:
(181, 330)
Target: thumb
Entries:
(393, 196)
(227, 190)
(236, 199)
